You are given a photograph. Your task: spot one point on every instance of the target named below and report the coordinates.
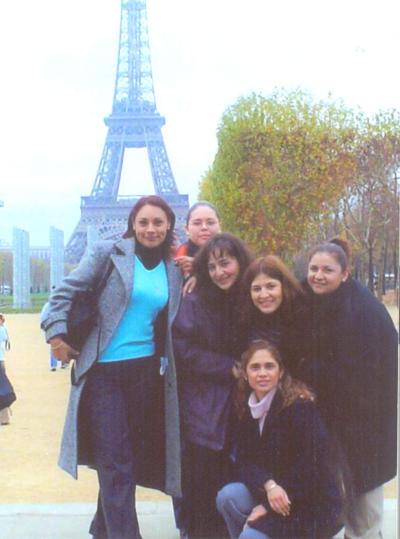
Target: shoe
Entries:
(53, 369)
(5, 422)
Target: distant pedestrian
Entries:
(4, 345)
(53, 359)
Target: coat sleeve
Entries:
(193, 355)
(255, 477)
(81, 279)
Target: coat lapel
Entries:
(273, 413)
(174, 289)
(123, 261)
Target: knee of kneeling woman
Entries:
(227, 495)
(223, 496)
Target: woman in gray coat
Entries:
(123, 417)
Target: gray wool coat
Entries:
(112, 304)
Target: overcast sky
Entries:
(58, 64)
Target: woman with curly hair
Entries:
(286, 488)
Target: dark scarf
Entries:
(268, 327)
(192, 249)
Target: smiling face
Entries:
(325, 274)
(266, 293)
(151, 226)
(263, 373)
(203, 224)
(223, 269)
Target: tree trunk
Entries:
(371, 279)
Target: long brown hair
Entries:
(271, 266)
(290, 388)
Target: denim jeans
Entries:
(118, 402)
(235, 503)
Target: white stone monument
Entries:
(21, 269)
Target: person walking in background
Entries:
(286, 487)
(352, 365)
(53, 359)
(202, 223)
(271, 307)
(123, 416)
(5, 413)
(204, 342)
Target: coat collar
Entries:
(123, 260)
(126, 246)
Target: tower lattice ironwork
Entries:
(133, 123)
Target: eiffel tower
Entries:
(133, 123)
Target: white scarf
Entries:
(259, 409)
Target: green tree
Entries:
(6, 269)
(281, 166)
(40, 275)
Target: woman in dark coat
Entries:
(123, 417)
(286, 487)
(271, 307)
(352, 365)
(202, 224)
(205, 349)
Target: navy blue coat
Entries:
(352, 365)
(204, 351)
(292, 450)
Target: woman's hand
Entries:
(277, 498)
(257, 512)
(189, 286)
(62, 351)
(185, 263)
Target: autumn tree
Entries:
(281, 166)
(369, 207)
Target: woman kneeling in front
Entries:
(286, 488)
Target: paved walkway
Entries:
(71, 521)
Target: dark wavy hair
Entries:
(221, 244)
(271, 266)
(291, 389)
(153, 200)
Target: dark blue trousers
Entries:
(120, 401)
